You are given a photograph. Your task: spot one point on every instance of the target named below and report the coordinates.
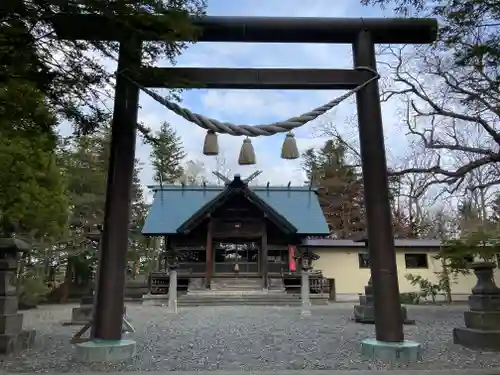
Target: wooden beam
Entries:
(250, 29)
(243, 78)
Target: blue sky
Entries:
(265, 106)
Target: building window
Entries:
(416, 261)
(364, 260)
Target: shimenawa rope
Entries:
(253, 130)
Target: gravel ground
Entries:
(247, 338)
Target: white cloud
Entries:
(267, 104)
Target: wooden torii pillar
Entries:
(362, 34)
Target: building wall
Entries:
(342, 264)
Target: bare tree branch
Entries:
(454, 112)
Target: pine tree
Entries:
(137, 243)
(310, 164)
(468, 28)
(469, 217)
(167, 155)
(340, 189)
(32, 191)
(495, 209)
(73, 82)
(103, 142)
(85, 162)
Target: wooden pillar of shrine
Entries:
(209, 254)
(263, 257)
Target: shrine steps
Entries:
(236, 284)
(239, 291)
(269, 298)
(235, 298)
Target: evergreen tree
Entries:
(469, 217)
(73, 82)
(32, 191)
(495, 209)
(103, 142)
(85, 171)
(85, 161)
(340, 188)
(139, 208)
(469, 27)
(310, 164)
(167, 155)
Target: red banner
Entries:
(292, 266)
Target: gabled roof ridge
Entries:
(208, 207)
(167, 187)
(221, 188)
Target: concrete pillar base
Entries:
(400, 352)
(13, 343)
(105, 351)
(477, 339)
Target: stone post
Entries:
(304, 292)
(172, 263)
(332, 295)
(172, 291)
(482, 322)
(12, 337)
(306, 258)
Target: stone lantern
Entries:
(83, 314)
(482, 322)
(306, 257)
(12, 336)
(364, 312)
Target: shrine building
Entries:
(236, 230)
(239, 233)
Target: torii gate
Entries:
(362, 34)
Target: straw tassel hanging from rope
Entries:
(247, 153)
(289, 150)
(211, 144)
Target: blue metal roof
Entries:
(173, 205)
(299, 205)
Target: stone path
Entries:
(305, 372)
(248, 339)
